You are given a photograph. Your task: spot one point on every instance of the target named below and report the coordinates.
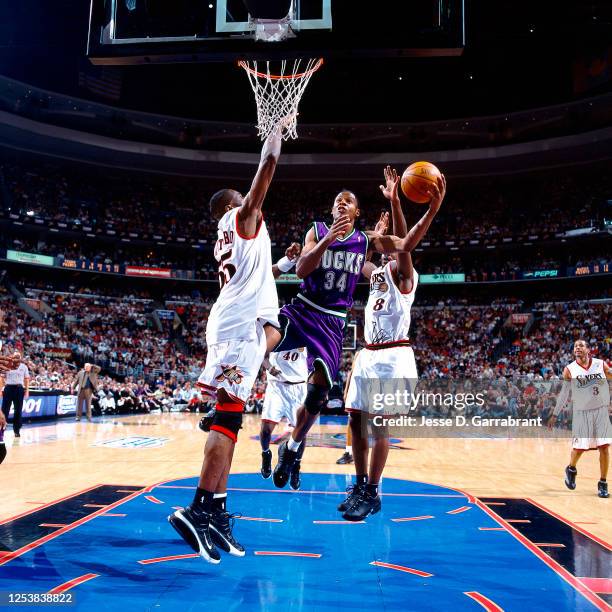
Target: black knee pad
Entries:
(228, 423)
(207, 420)
(316, 398)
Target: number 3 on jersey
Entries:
(330, 281)
(226, 271)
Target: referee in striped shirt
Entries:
(16, 390)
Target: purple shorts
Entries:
(320, 333)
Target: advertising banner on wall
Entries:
(32, 258)
(429, 279)
(66, 405)
(38, 406)
(150, 272)
(57, 351)
(47, 404)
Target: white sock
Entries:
(349, 449)
(292, 445)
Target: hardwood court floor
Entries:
(56, 460)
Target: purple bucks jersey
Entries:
(330, 287)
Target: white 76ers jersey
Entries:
(248, 291)
(292, 365)
(590, 388)
(387, 313)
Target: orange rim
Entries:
(278, 77)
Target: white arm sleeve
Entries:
(563, 396)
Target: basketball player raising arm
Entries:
(331, 263)
(236, 341)
(313, 250)
(386, 356)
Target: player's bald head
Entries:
(222, 201)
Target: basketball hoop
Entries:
(271, 30)
(278, 95)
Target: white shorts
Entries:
(282, 400)
(591, 429)
(371, 372)
(233, 365)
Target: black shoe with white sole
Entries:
(221, 524)
(193, 525)
(602, 489)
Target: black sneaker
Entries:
(295, 480)
(286, 459)
(221, 524)
(570, 477)
(363, 505)
(266, 464)
(602, 489)
(353, 491)
(193, 526)
(345, 459)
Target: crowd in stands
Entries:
(549, 342)
(151, 363)
(149, 366)
(487, 212)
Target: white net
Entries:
(278, 94)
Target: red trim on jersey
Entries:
(226, 432)
(207, 390)
(256, 231)
(384, 345)
(588, 367)
(396, 280)
(229, 407)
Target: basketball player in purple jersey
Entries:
(330, 266)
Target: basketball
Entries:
(417, 180)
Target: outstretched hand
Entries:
(436, 192)
(382, 226)
(389, 189)
(293, 251)
(284, 123)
